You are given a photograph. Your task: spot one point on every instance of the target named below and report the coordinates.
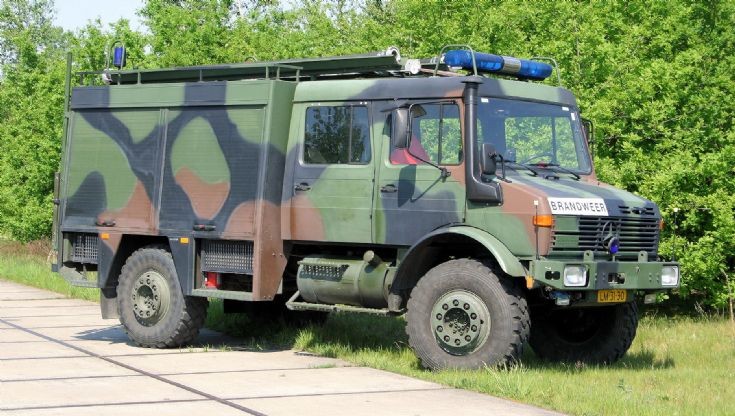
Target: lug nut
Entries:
(446, 338)
(474, 328)
(466, 306)
(467, 338)
(439, 328)
(455, 302)
(473, 315)
(438, 316)
(445, 306)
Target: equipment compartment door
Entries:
(332, 186)
(413, 198)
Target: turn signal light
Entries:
(543, 220)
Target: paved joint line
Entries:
(50, 306)
(186, 373)
(50, 316)
(62, 326)
(71, 406)
(253, 370)
(343, 393)
(153, 354)
(3, 292)
(137, 370)
(53, 357)
(33, 380)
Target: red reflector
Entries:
(212, 280)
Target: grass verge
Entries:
(27, 264)
(679, 365)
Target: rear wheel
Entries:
(462, 315)
(153, 309)
(598, 335)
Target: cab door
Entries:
(412, 197)
(332, 183)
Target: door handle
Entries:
(389, 188)
(204, 227)
(303, 186)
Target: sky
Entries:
(74, 14)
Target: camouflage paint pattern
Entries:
(224, 160)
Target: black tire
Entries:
(148, 278)
(467, 342)
(597, 335)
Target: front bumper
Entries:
(628, 275)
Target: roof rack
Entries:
(290, 69)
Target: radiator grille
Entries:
(635, 233)
(85, 248)
(225, 256)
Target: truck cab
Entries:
(440, 189)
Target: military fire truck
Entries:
(457, 190)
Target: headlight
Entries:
(670, 276)
(575, 276)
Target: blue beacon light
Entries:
(486, 62)
(613, 245)
(118, 56)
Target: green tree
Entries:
(190, 32)
(656, 78)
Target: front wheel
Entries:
(153, 309)
(462, 315)
(596, 335)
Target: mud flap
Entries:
(108, 303)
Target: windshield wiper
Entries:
(513, 163)
(559, 167)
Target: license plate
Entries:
(611, 296)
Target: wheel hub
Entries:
(460, 321)
(150, 298)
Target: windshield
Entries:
(533, 133)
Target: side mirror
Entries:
(401, 129)
(488, 162)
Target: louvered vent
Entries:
(225, 256)
(85, 248)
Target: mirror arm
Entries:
(590, 132)
(445, 173)
(502, 166)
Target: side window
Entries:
(435, 136)
(337, 135)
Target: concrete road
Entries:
(58, 357)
